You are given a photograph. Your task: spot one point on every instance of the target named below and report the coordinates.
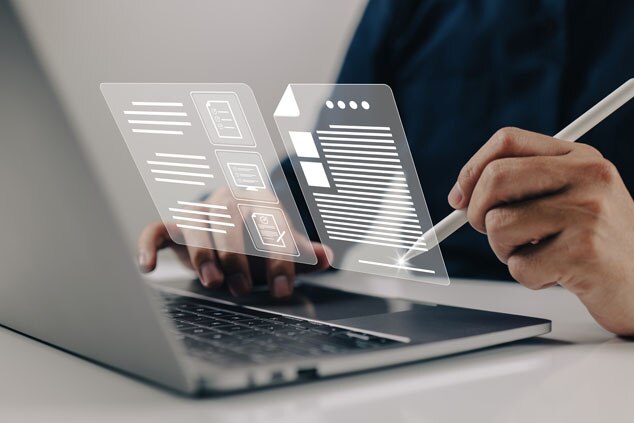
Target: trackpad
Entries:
(438, 323)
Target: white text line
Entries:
(396, 266)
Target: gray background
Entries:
(266, 44)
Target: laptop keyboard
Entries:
(228, 335)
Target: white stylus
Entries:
(572, 132)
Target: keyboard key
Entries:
(183, 306)
(177, 314)
(225, 340)
(237, 318)
(213, 323)
(216, 336)
(196, 331)
(193, 318)
(217, 313)
(234, 329)
(182, 325)
(267, 327)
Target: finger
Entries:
(280, 276)
(233, 261)
(509, 180)
(203, 257)
(516, 225)
(538, 266)
(507, 142)
(236, 268)
(550, 261)
(154, 237)
(323, 253)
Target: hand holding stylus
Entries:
(555, 212)
(571, 133)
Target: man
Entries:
(552, 211)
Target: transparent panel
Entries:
(206, 158)
(352, 160)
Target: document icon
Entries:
(223, 118)
(247, 176)
(268, 230)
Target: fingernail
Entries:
(282, 287)
(144, 260)
(238, 284)
(455, 197)
(209, 274)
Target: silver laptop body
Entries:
(69, 280)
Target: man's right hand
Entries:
(210, 257)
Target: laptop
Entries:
(69, 280)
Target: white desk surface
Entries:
(578, 373)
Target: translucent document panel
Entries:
(355, 169)
(206, 157)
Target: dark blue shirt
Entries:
(460, 70)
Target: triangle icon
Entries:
(287, 106)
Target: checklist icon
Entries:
(268, 230)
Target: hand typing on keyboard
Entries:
(206, 253)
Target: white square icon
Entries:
(304, 144)
(315, 174)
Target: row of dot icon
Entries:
(352, 104)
